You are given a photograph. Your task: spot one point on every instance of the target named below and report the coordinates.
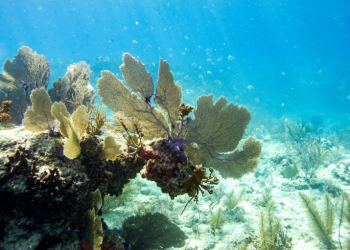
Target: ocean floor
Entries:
(241, 229)
(236, 227)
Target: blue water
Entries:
(279, 58)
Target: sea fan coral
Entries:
(210, 138)
(74, 88)
(20, 76)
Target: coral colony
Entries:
(71, 161)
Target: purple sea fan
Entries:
(171, 169)
(176, 148)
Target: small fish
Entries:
(111, 41)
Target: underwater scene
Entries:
(189, 125)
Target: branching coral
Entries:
(17, 160)
(132, 133)
(199, 181)
(217, 219)
(97, 120)
(50, 178)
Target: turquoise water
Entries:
(294, 53)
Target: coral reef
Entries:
(26, 72)
(164, 166)
(207, 139)
(64, 168)
(41, 117)
(55, 190)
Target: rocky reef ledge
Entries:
(45, 195)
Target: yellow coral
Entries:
(80, 120)
(60, 112)
(217, 129)
(71, 148)
(97, 120)
(109, 149)
(38, 116)
(72, 127)
(93, 229)
(168, 96)
(136, 77)
(119, 98)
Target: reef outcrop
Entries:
(47, 175)
(47, 194)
